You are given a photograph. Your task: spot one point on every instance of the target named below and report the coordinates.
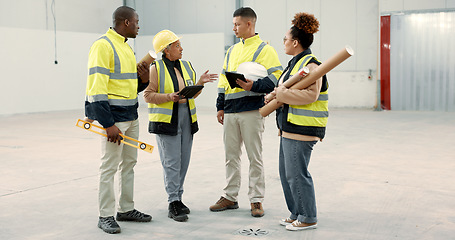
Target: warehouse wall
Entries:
(415, 5)
(31, 82)
(347, 22)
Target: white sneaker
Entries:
(297, 225)
(286, 221)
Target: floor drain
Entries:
(253, 232)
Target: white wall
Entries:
(31, 82)
(345, 22)
(186, 17)
(77, 16)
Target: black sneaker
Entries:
(109, 225)
(176, 212)
(184, 208)
(134, 215)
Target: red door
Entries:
(385, 62)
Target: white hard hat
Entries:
(252, 70)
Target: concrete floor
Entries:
(378, 175)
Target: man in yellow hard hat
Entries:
(111, 99)
(238, 111)
(172, 117)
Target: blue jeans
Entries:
(296, 181)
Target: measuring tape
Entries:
(97, 129)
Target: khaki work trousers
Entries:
(122, 159)
(244, 127)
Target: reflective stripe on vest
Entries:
(163, 112)
(227, 58)
(313, 114)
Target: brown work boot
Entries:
(257, 210)
(223, 204)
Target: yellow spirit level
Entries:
(98, 130)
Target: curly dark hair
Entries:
(305, 25)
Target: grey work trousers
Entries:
(175, 154)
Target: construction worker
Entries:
(237, 111)
(111, 98)
(172, 117)
(302, 122)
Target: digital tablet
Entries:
(232, 77)
(190, 91)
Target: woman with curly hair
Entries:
(301, 122)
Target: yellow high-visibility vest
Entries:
(251, 50)
(163, 112)
(314, 114)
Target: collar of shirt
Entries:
(170, 66)
(115, 36)
(251, 40)
(293, 61)
(299, 56)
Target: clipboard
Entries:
(232, 77)
(190, 91)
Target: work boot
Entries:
(109, 225)
(257, 210)
(176, 212)
(223, 204)
(184, 208)
(134, 215)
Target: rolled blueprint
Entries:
(149, 57)
(311, 78)
(291, 81)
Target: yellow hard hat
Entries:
(163, 39)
